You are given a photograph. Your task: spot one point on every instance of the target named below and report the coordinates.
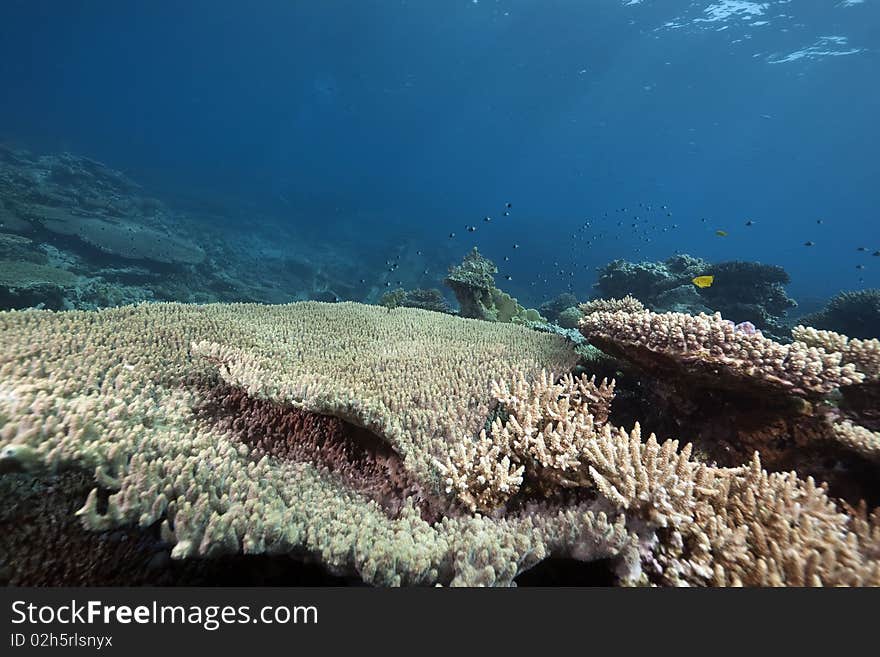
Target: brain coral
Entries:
(127, 393)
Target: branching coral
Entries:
(696, 523)
(627, 304)
(708, 346)
(737, 391)
(864, 355)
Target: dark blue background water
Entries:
(409, 120)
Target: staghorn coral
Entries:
(122, 392)
(857, 438)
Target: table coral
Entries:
(122, 392)
(737, 391)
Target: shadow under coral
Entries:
(363, 461)
(42, 543)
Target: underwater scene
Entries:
(458, 293)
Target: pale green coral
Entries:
(473, 283)
(569, 318)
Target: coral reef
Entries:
(856, 314)
(125, 239)
(648, 280)
(741, 291)
(81, 216)
(18, 247)
(750, 292)
(414, 447)
(627, 304)
(39, 515)
(25, 284)
(695, 524)
(473, 282)
(569, 318)
(431, 299)
(736, 391)
(554, 307)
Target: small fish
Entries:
(471, 229)
(861, 248)
(506, 213)
(418, 253)
(703, 281)
(750, 223)
(809, 243)
(487, 219)
(509, 277)
(818, 221)
(876, 253)
(860, 266)
(721, 233)
(451, 235)
(508, 205)
(516, 246)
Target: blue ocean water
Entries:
(384, 126)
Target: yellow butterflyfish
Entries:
(703, 281)
(721, 233)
